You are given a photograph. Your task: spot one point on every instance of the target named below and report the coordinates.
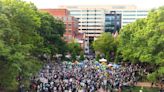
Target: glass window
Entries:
(91, 14)
(142, 11)
(128, 18)
(69, 18)
(91, 10)
(98, 10)
(64, 18)
(118, 17)
(75, 14)
(98, 14)
(84, 10)
(69, 25)
(75, 10)
(129, 14)
(118, 23)
(69, 31)
(84, 14)
(141, 14)
(129, 11)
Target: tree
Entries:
(74, 49)
(97, 57)
(143, 41)
(104, 44)
(82, 56)
(52, 31)
(18, 39)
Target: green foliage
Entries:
(51, 30)
(143, 41)
(74, 49)
(104, 44)
(98, 57)
(82, 56)
(25, 35)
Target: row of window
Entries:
(91, 29)
(92, 18)
(93, 33)
(85, 10)
(108, 11)
(91, 14)
(91, 22)
(91, 25)
(134, 14)
(129, 18)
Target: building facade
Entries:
(71, 24)
(92, 19)
(112, 22)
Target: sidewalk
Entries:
(148, 84)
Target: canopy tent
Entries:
(103, 60)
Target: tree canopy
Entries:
(104, 44)
(25, 35)
(74, 49)
(143, 41)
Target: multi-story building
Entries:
(112, 22)
(92, 18)
(71, 24)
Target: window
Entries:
(64, 18)
(98, 14)
(84, 14)
(126, 22)
(69, 18)
(91, 10)
(75, 14)
(118, 23)
(84, 10)
(69, 31)
(118, 17)
(129, 11)
(141, 14)
(98, 10)
(129, 14)
(69, 25)
(128, 18)
(75, 10)
(142, 11)
(91, 14)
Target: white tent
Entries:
(103, 60)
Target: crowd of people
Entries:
(83, 77)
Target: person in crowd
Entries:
(85, 77)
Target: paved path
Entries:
(147, 84)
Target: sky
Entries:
(144, 4)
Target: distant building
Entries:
(112, 22)
(92, 19)
(71, 23)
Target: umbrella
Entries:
(109, 64)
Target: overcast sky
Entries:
(146, 4)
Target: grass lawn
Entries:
(136, 89)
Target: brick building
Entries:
(71, 24)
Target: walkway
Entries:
(147, 84)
